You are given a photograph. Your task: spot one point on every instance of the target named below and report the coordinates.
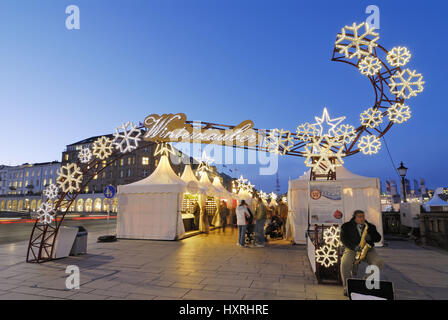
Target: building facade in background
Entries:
(21, 186)
(132, 167)
(27, 178)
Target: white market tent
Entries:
(436, 203)
(222, 192)
(193, 185)
(151, 208)
(245, 195)
(358, 192)
(210, 191)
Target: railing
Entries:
(391, 223)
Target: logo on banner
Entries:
(315, 194)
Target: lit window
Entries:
(129, 160)
(66, 157)
(104, 163)
(121, 162)
(145, 161)
(95, 177)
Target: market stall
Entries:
(151, 208)
(222, 195)
(190, 202)
(436, 203)
(356, 192)
(207, 202)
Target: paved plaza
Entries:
(207, 267)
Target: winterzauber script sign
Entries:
(172, 128)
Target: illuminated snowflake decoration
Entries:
(327, 256)
(354, 42)
(69, 178)
(398, 56)
(51, 192)
(371, 118)
(345, 133)
(45, 213)
(369, 145)
(332, 236)
(279, 141)
(127, 140)
(319, 154)
(85, 155)
(406, 84)
(369, 66)
(307, 131)
(399, 113)
(102, 148)
(273, 196)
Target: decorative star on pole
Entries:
(164, 149)
(205, 163)
(332, 123)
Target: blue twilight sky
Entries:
(220, 61)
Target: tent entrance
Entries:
(191, 212)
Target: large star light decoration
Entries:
(326, 121)
(319, 154)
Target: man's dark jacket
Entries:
(350, 236)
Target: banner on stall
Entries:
(325, 202)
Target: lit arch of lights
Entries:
(323, 151)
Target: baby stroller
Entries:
(250, 229)
(274, 229)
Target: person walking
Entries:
(223, 213)
(241, 220)
(260, 217)
(283, 213)
(197, 213)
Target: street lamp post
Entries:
(402, 170)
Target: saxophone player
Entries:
(358, 237)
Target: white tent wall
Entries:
(359, 193)
(151, 208)
(154, 216)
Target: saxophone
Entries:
(363, 246)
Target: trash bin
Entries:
(80, 244)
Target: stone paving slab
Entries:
(207, 267)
